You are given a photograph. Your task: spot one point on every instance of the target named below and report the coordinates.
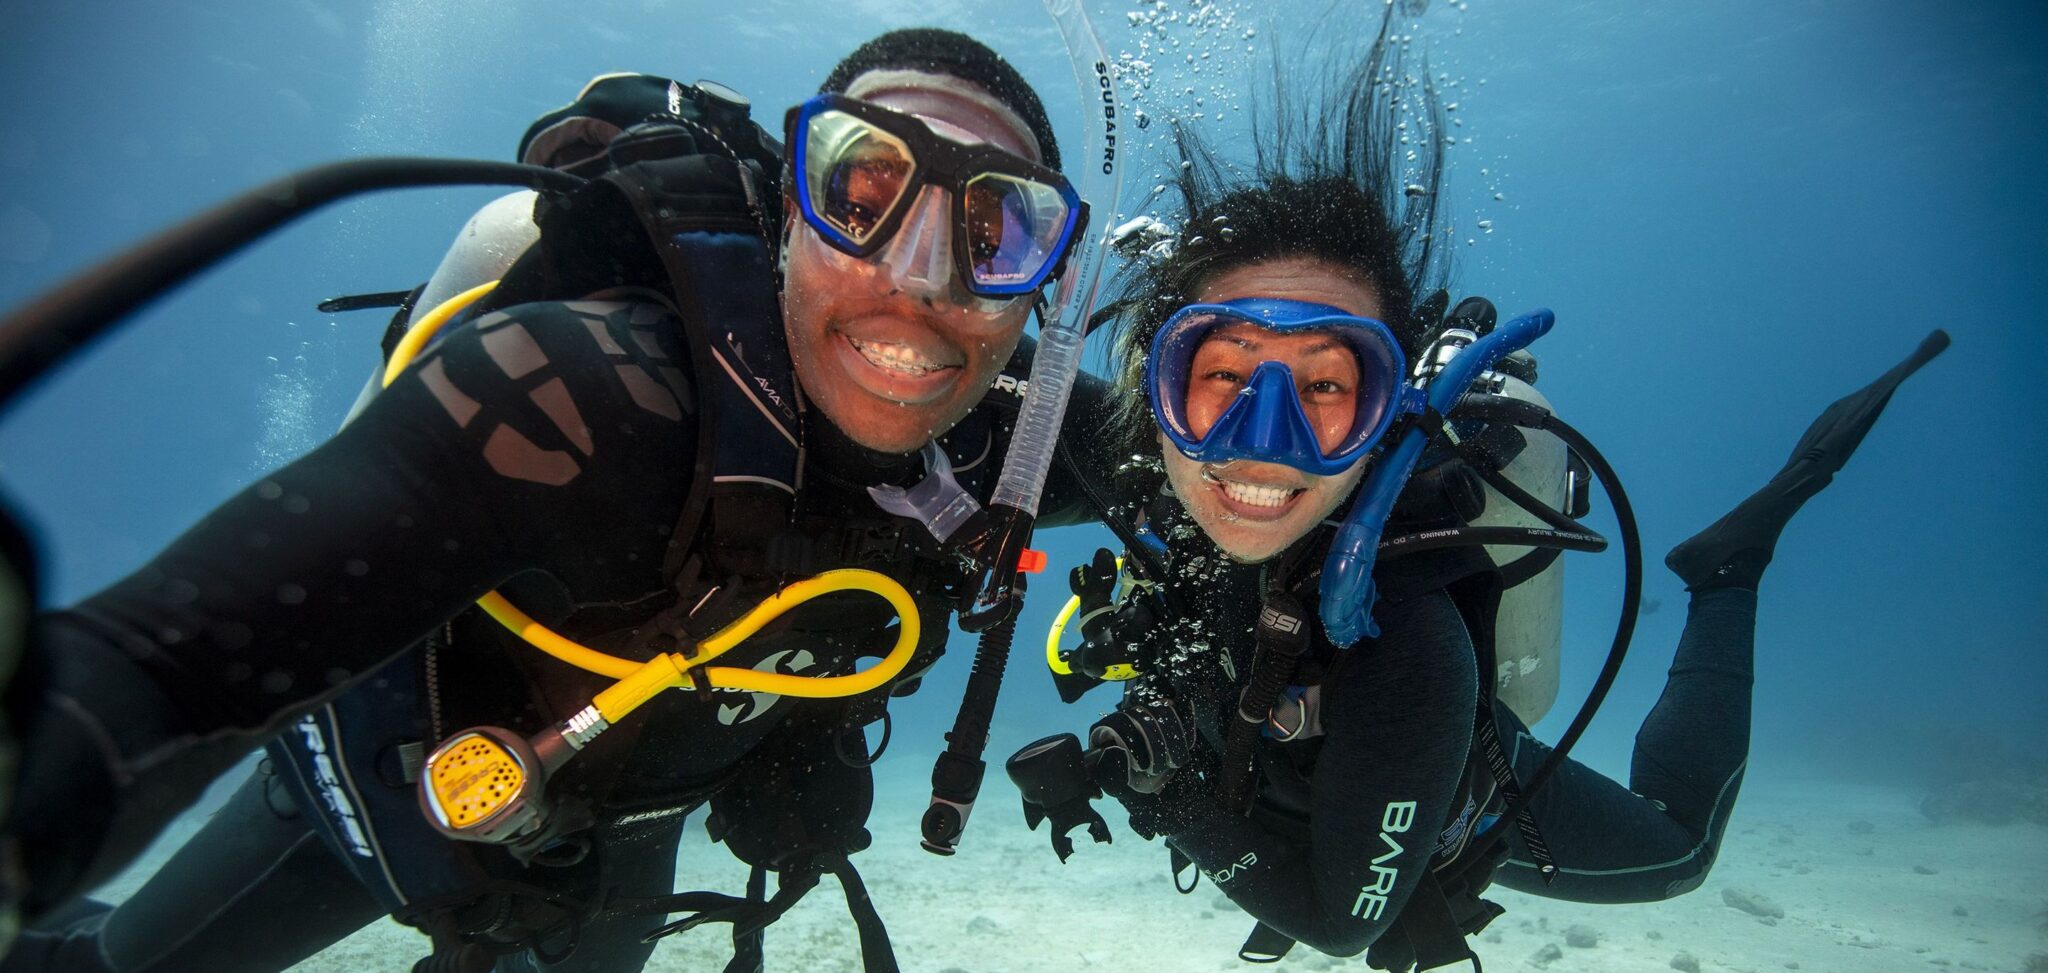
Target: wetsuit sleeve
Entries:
(483, 460)
(1658, 837)
(1397, 733)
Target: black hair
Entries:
(1352, 179)
(956, 55)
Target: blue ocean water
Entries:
(1739, 211)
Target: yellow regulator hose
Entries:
(642, 681)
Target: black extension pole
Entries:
(67, 317)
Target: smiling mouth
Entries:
(900, 359)
(1252, 494)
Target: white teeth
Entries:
(894, 357)
(1257, 496)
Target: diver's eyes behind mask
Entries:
(1268, 421)
(858, 170)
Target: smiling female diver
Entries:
(1269, 336)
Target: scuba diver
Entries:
(675, 402)
(1349, 773)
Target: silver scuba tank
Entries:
(1529, 627)
(485, 248)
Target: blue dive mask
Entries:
(1267, 421)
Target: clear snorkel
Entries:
(1014, 505)
(1013, 509)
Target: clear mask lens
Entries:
(1013, 228)
(855, 173)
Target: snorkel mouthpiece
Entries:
(1347, 586)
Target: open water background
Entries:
(1739, 211)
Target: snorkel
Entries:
(1347, 592)
(1013, 508)
(1014, 505)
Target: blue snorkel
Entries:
(1347, 592)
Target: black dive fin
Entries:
(1734, 551)
(1831, 439)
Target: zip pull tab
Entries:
(937, 501)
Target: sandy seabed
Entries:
(1865, 882)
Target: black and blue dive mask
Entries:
(1266, 422)
(858, 171)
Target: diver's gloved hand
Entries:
(1111, 651)
(1095, 583)
(1733, 551)
(1111, 633)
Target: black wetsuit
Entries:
(547, 450)
(1345, 821)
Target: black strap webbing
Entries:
(747, 945)
(1504, 778)
(752, 915)
(877, 955)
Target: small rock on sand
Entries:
(1754, 903)
(1922, 870)
(1582, 937)
(1548, 953)
(1685, 963)
(983, 925)
(1861, 827)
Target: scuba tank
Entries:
(1503, 468)
(576, 138)
(1529, 624)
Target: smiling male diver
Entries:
(636, 443)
